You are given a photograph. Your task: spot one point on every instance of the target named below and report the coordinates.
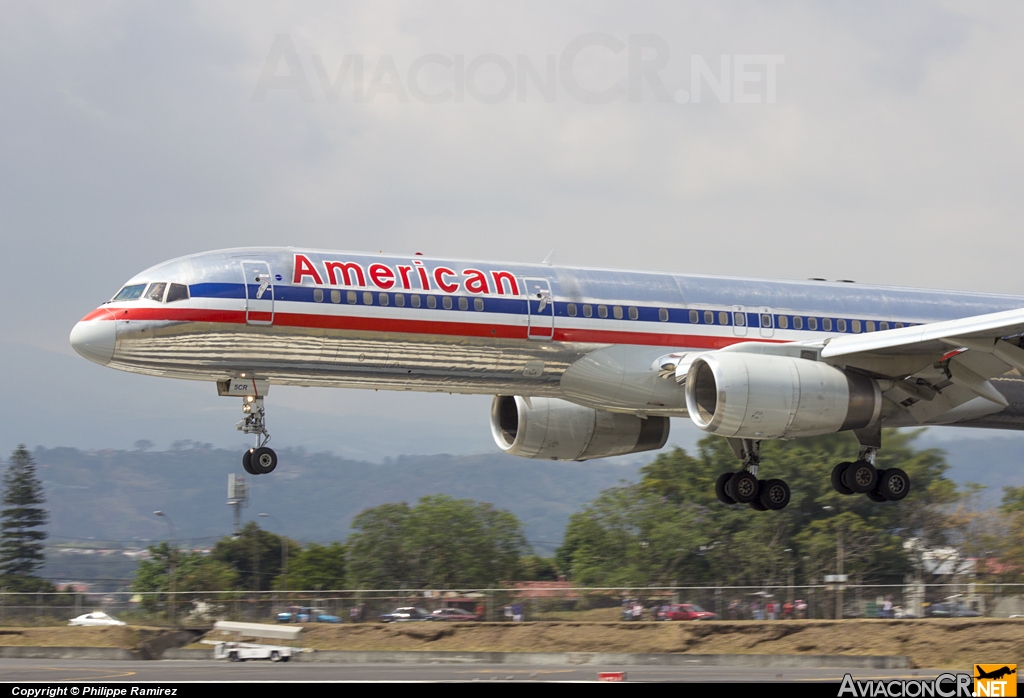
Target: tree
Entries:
(315, 566)
(254, 554)
(193, 571)
(22, 517)
(442, 542)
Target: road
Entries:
(82, 671)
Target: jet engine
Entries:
(558, 430)
(763, 396)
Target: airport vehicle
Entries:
(95, 618)
(950, 609)
(238, 651)
(583, 363)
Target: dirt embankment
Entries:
(931, 643)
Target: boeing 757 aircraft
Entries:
(583, 363)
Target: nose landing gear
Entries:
(261, 459)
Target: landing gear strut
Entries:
(743, 487)
(862, 477)
(261, 459)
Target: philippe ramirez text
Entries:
(105, 691)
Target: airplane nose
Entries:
(94, 339)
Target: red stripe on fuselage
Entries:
(405, 326)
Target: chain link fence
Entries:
(536, 601)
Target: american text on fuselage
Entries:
(584, 363)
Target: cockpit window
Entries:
(156, 292)
(177, 292)
(129, 293)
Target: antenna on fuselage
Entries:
(547, 260)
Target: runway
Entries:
(171, 671)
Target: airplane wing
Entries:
(939, 366)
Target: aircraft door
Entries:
(259, 293)
(739, 321)
(540, 308)
(766, 321)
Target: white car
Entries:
(95, 618)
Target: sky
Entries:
(871, 141)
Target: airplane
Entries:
(582, 363)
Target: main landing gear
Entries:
(261, 459)
(862, 477)
(743, 487)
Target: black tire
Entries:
(743, 487)
(720, 491)
(263, 461)
(275, 656)
(861, 477)
(775, 494)
(874, 496)
(233, 657)
(285, 659)
(894, 484)
(837, 478)
(757, 506)
(247, 461)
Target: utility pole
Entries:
(839, 571)
(238, 498)
(173, 554)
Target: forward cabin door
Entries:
(259, 293)
(540, 309)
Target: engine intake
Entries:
(555, 429)
(759, 396)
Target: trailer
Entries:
(236, 650)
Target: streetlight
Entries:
(284, 550)
(173, 553)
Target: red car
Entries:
(686, 611)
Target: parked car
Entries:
(454, 614)
(407, 613)
(95, 618)
(950, 609)
(686, 611)
(306, 614)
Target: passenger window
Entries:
(447, 302)
(841, 325)
(899, 325)
(783, 322)
(431, 301)
(798, 323)
(826, 324)
(478, 303)
(602, 311)
(766, 320)
(177, 292)
(812, 323)
(351, 296)
(335, 296)
(883, 325)
(383, 298)
(723, 317)
(587, 310)
(318, 295)
(856, 324)
(400, 300)
(633, 313)
(617, 312)
(463, 303)
(709, 317)
(129, 293)
(870, 325)
(571, 309)
(156, 292)
(740, 319)
(367, 298)
(694, 317)
(414, 301)
(663, 314)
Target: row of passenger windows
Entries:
(161, 292)
(602, 311)
(415, 301)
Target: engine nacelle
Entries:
(759, 396)
(558, 430)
